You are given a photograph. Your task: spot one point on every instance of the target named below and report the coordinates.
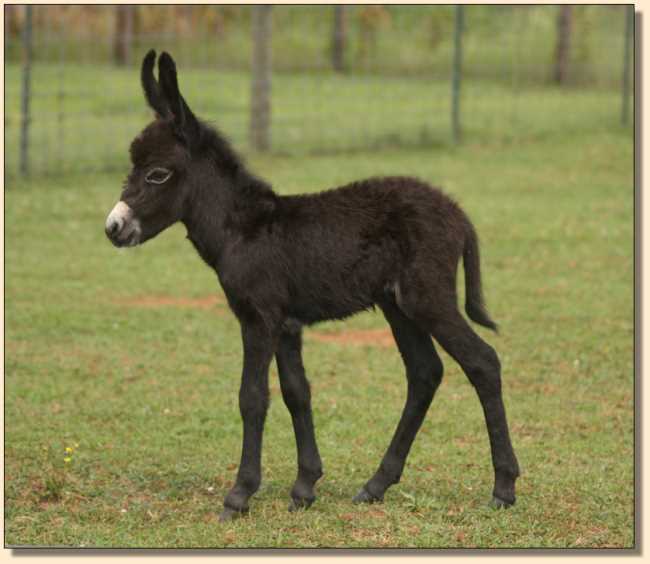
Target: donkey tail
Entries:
(474, 303)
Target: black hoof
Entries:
(298, 503)
(364, 496)
(229, 514)
(498, 503)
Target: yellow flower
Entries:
(67, 459)
(69, 450)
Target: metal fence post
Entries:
(261, 79)
(629, 41)
(60, 102)
(25, 117)
(457, 74)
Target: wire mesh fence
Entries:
(310, 79)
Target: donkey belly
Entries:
(337, 297)
(308, 312)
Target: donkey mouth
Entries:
(130, 240)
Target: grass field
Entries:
(131, 360)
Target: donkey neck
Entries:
(223, 209)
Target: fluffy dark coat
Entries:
(289, 261)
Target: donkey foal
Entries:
(289, 261)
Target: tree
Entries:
(12, 21)
(371, 19)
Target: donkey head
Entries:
(158, 186)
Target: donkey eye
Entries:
(158, 175)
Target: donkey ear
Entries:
(151, 88)
(169, 85)
(183, 116)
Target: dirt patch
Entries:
(368, 337)
(205, 303)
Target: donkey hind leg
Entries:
(424, 373)
(297, 397)
(481, 364)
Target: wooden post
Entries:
(563, 45)
(338, 38)
(260, 122)
(123, 37)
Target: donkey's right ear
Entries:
(186, 124)
(151, 87)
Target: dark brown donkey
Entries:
(289, 261)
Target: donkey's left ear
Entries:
(184, 119)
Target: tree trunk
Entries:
(124, 18)
(12, 22)
(339, 38)
(563, 45)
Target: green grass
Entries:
(149, 393)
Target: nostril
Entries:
(112, 228)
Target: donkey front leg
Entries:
(259, 345)
(297, 397)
